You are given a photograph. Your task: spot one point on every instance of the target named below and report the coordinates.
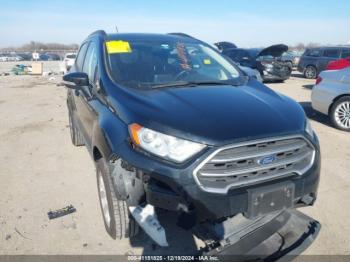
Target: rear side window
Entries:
(80, 58)
(314, 53)
(90, 62)
(331, 53)
(345, 53)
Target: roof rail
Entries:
(98, 32)
(181, 34)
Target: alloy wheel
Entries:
(103, 199)
(342, 114)
(310, 73)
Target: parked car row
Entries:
(275, 65)
(267, 61)
(28, 56)
(7, 57)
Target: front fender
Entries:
(109, 132)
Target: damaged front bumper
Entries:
(275, 75)
(284, 235)
(260, 231)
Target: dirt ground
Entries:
(40, 170)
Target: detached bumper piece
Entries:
(274, 237)
(147, 219)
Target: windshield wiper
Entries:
(192, 83)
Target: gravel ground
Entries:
(41, 170)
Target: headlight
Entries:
(162, 145)
(308, 128)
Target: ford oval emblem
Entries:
(267, 160)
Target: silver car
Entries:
(331, 96)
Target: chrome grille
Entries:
(253, 162)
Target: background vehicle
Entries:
(25, 56)
(4, 58)
(267, 61)
(14, 58)
(69, 60)
(49, 57)
(53, 57)
(225, 45)
(315, 60)
(339, 64)
(44, 57)
(171, 124)
(331, 96)
(292, 57)
(10, 58)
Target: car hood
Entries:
(274, 50)
(213, 115)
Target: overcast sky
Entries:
(250, 23)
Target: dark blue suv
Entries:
(315, 60)
(171, 124)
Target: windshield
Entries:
(149, 64)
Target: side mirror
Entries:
(76, 80)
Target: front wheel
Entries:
(290, 65)
(118, 222)
(340, 113)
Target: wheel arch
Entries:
(312, 65)
(335, 100)
(100, 146)
(108, 133)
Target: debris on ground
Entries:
(61, 212)
(21, 69)
(47, 73)
(8, 236)
(37, 68)
(19, 233)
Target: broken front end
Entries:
(239, 199)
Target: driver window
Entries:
(90, 63)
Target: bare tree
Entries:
(39, 46)
(312, 45)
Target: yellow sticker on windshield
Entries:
(119, 46)
(207, 61)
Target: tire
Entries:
(118, 221)
(290, 65)
(340, 113)
(75, 134)
(310, 72)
